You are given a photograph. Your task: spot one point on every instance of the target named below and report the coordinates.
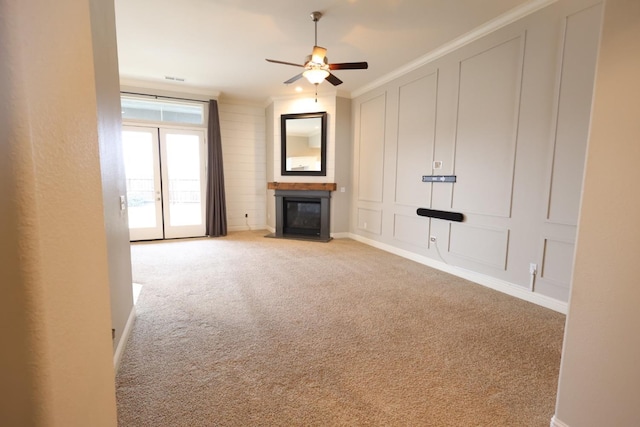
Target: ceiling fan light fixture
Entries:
(315, 75)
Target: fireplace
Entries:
(303, 214)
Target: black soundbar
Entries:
(449, 216)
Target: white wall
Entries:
(242, 128)
(508, 115)
(56, 364)
(600, 373)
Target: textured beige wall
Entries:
(600, 372)
(57, 292)
(18, 388)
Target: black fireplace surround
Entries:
(303, 214)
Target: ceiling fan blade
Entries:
(293, 79)
(285, 63)
(333, 80)
(349, 66)
(318, 54)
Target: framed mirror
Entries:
(304, 144)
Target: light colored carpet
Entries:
(251, 331)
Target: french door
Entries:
(165, 171)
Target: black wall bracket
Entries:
(449, 216)
(438, 178)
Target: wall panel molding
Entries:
(411, 229)
(490, 84)
(572, 113)
(482, 244)
(557, 262)
(416, 139)
(370, 220)
(371, 149)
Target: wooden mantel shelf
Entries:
(310, 186)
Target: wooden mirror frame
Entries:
(286, 118)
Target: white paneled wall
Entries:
(242, 128)
(508, 114)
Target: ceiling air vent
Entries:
(175, 79)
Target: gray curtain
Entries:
(216, 204)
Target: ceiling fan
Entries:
(316, 66)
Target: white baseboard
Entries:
(124, 338)
(555, 422)
(481, 279)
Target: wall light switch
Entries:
(342, 189)
(437, 164)
(123, 203)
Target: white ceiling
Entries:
(220, 46)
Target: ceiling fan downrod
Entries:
(315, 17)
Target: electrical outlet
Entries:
(433, 239)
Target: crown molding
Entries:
(495, 24)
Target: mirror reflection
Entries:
(303, 144)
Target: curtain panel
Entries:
(216, 204)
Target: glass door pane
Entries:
(142, 170)
(183, 177)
